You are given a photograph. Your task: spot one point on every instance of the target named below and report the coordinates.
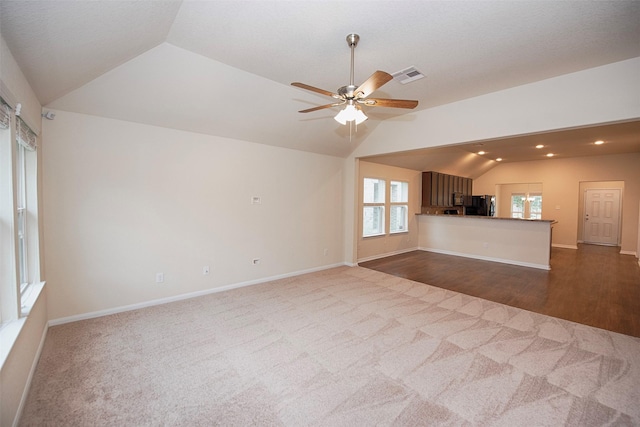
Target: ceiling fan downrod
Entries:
(352, 41)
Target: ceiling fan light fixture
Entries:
(349, 114)
(360, 116)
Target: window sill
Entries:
(29, 297)
(374, 235)
(10, 331)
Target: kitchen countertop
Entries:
(553, 221)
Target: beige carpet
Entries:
(342, 347)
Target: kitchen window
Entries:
(535, 205)
(527, 205)
(517, 205)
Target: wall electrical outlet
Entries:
(205, 270)
(255, 261)
(256, 200)
(159, 277)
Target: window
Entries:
(19, 264)
(8, 306)
(21, 212)
(377, 202)
(517, 205)
(25, 178)
(373, 209)
(399, 208)
(526, 205)
(535, 205)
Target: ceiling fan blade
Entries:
(373, 83)
(322, 107)
(315, 89)
(393, 103)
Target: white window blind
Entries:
(5, 115)
(25, 136)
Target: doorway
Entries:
(601, 219)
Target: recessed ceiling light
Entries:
(549, 154)
(499, 159)
(599, 142)
(539, 146)
(481, 152)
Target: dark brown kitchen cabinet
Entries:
(438, 188)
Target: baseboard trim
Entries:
(484, 258)
(160, 301)
(634, 253)
(558, 245)
(32, 371)
(388, 254)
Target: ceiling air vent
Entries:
(407, 75)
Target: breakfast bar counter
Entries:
(524, 242)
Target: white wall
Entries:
(124, 201)
(599, 95)
(15, 89)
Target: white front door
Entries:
(602, 216)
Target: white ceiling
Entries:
(464, 160)
(224, 67)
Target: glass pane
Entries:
(373, 221)
(536, 206)
(517, 205)
(399, 192)
(398, 218)
(373, 190)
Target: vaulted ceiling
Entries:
(224, 67)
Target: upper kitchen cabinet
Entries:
(438, 188)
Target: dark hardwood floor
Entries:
(593, 285)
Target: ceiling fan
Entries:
(355, 96)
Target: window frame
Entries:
(20, 283)
(403, 203)
(21, 216)
(534, 214)
(380, 205)
(524, 200)
(386, 206)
